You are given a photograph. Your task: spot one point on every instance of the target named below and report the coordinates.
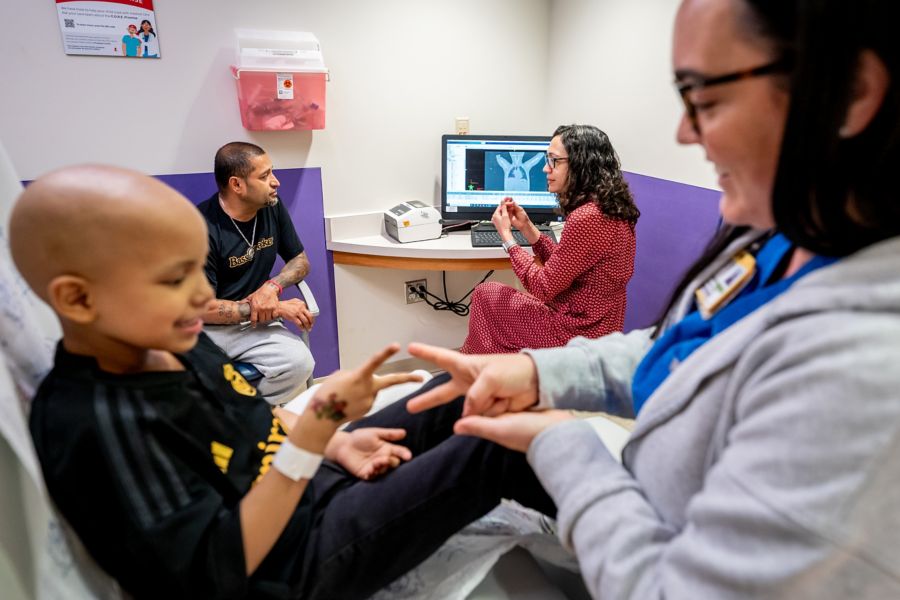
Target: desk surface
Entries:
(451, 252)
(352, 241)
(451, 246)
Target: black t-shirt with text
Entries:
(150, 468)
(230, 270)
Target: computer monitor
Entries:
(479, 171)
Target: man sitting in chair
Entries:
(248, 226)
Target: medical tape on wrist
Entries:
(296, 463)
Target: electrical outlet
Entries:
(410, 289)
(462, 125)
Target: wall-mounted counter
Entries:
(353, 241)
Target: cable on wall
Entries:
(457, 307)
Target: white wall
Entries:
(610, 65)
(372, 310)
(401, 71)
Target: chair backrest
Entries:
(39, 556)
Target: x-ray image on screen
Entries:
(517, 170)
(478, 172)
(505, 171)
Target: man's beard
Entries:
(272, 201)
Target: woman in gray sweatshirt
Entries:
(766, 456)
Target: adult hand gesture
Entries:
(492, 383)
(501, 221)
(519, 219)
(263, 304)
(515, 431)
(296, 311)
(517, 215)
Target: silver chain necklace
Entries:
(251, 250)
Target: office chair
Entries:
(249, 371)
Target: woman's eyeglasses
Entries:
(699, 82)
(552, 160)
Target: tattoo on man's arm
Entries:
(293, 271)
(233, 312)
(332, 408)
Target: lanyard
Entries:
(695, 329)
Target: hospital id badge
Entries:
(725, 284)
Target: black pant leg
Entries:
(370, 533)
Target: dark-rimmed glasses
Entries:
(552, 160)
(698, 82)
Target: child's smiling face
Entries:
(154, 294)
(119, 256)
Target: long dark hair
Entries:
(832, 195)
(141, 28)
(835, 195)
(595, 174)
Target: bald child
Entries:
(169, 465)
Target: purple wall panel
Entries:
(677, 221)
(301, 191)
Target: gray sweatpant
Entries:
(282, 357)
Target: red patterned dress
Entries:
(575, 288)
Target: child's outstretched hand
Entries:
(368, 452)
(348, 395)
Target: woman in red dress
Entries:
(575, 287)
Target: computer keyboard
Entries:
(486, 236)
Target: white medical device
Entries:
(413, 221)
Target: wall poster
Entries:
(109, 27)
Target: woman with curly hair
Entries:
(576, 287)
